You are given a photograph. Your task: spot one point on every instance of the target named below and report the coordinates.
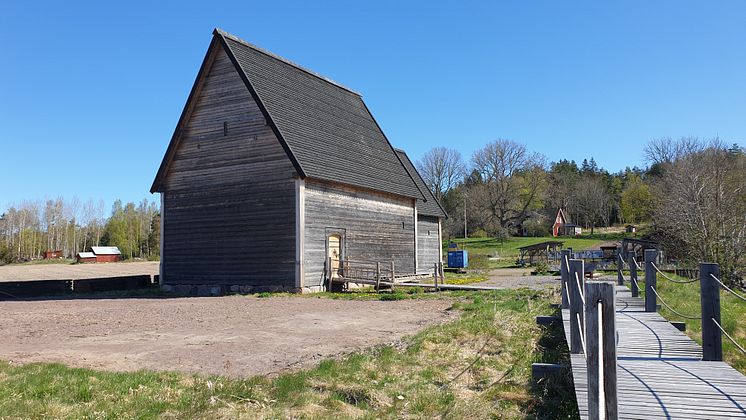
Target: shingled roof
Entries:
(431, 207)
(326, 128)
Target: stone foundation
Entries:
(221, 289)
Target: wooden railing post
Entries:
(619, 266)
(712, 339)
(378, 276)
(393, 277)
(600, 341)
(329, 273)
(576, 305)
(651, 280)
(632, 273)
(435, 276)
(565, 276)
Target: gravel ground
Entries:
(76, 271)
(515, 278)
(233, 335)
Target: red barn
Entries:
(560, 220)
(562, 227)
(86, 257)
(49, 255)
(106, 253)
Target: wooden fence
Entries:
(593, 332)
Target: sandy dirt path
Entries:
(76, 271)
(232, 335)
(515, 278)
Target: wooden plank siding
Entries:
(229, 210)
(428, 243)
(375, 226)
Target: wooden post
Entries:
(619, 266)
(576, 305)
(651, 280)
(712, 339)
(329, 273)
(435, 276)
(600, 341)
(442, 273)
(632, 273)
(393, 277)
(378, 276)
(565, 276)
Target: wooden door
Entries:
(334, 251)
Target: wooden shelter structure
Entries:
(543, 251)
(273, 171)
(639, 246)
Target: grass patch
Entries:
(477, 366)
(489, 253)
(685, 298)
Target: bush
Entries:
(542, 267)
(479, 233)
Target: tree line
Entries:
(30, 228)
(692, 195)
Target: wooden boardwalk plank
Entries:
(660, 371)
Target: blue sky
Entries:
(90, 92)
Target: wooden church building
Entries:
(273, 169)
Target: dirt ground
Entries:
(232, 335)
(514, 278)
(76, 271)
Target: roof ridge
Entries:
(282, 59)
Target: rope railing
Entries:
(567, 295)
(580, 289)
(672, 309)
(727, 288)
(632, 279)
(673, 280)
(729, 337)
(582, 335)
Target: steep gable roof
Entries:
(431, 206)
(325, 128)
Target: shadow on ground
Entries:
(555, 394)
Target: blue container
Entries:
(458, 259)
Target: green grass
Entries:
(476, 366)
(685, 298)
(489, 253)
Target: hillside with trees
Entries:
(691, 196)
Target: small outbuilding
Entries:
(543, 251)
(563, 227)
(85, 257)
(630, 229)
(51, 255)
(106, 253)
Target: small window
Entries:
(402, 225)
(428, 233)
(225, 128)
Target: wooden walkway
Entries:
(660, 372)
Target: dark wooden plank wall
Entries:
(372, 223)
(229, 206)
(428, 243)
